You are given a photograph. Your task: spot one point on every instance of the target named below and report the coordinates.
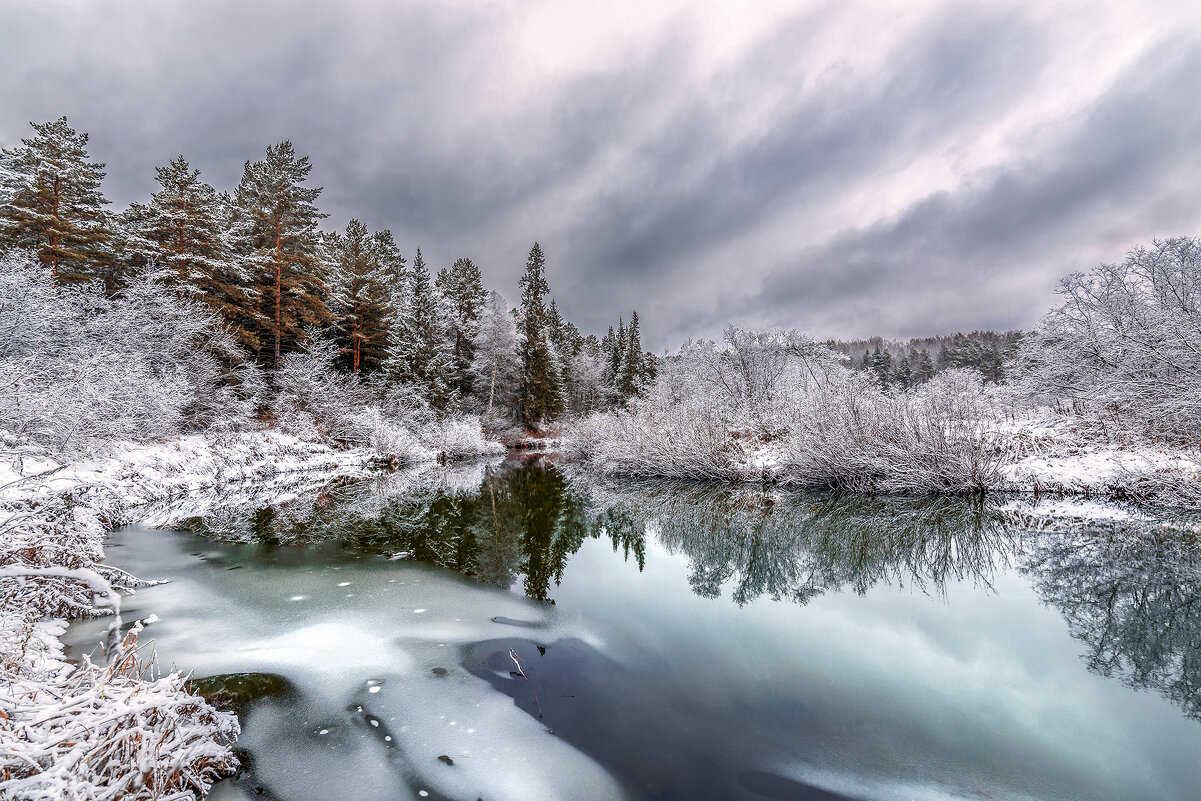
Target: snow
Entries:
(121, 728)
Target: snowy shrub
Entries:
(462, 437)
(851, 435)
(104, 731)
(115, 729)
(314, 401)
(79, 369)
(776, 406)
(1126, 342)
(390, 438)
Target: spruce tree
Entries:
(540, 394)
(395, 269)
(632, 371)
(358, 271)
(277, 224)
(463, 294)
(418, 353)
(54, 204)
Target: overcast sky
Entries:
(901, 168)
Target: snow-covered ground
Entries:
(1055, 455)
(119, 729)
(1033, 451)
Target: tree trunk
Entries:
(491, 389)
(278, 289)
(356, 341)
(54, 237)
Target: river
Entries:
(539, 635)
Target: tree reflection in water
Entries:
(1130, 591)
(1132, 594)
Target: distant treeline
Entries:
(906, 364)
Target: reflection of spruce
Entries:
(795, 546)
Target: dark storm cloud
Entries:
(946, 77)
(699, 195)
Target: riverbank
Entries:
(120, 728)
(1035, 453)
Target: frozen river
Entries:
(550, 638)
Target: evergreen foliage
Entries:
(359, 264)
(540, 395)
(418, 353)
(54, 205)
(185, 232)
(277, 228)
(462, 290)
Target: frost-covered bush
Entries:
(777, 406)
(1126, 342)
(849, 434)
(387, 436)
(462, 437)
(314, 401)
(79, 369)
(115, 730)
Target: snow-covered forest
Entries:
(233, 312)
(202, 308)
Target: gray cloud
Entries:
(699, 189)
(988, 254)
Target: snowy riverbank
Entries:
(1036, 452)
(120, 729)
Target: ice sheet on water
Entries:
(380, 693)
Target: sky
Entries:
(848, 169)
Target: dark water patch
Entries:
(235, 692)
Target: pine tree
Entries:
(617, 359)
(185, 233)
(184, 227)
(395, 276)
(277, 222)
(882, 366)
(127, 242)
(540, 395)
(358, 272)
(54, 204)
(925, 367)
(462, 290)
(419, 353)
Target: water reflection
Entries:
(490, 525)
(1131, 592)
(756, 542)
